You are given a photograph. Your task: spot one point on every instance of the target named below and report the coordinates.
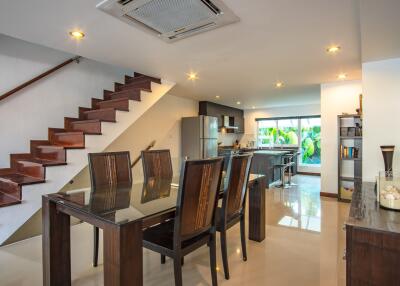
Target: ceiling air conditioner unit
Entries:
(171, 20)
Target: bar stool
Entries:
(291, 160)
(288, 160)
(282, 168)
(286, 164)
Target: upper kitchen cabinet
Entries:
(232, 119)
(239, 123)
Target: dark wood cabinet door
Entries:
(372, 257)
(239, 122)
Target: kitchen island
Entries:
(264, 162)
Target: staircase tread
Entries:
(45, 162)
(92, 121)
(99, 110)
(113, 100)
(145, 77)
(131, 89)
(51, 146)
(21, 179)
(69, 132)
(86, 121)
(7, 200)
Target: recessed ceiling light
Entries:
(342, 76)
(333, 49)
(217, 97)
(192, 76)
(76, 34)
(279, 84)
(238, 102)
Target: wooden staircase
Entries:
(30, 168)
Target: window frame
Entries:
(276, 119)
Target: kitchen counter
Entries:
(264, 162)
(271, 152)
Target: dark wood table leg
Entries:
(123, 255)
(257, 210)
(56, 245)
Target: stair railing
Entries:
(138, 158)
(35, 79)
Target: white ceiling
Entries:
(275, 40)
(380, 29)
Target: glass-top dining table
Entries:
(123, 213)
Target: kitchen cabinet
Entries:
(239, 123)
(218, 110)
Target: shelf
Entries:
(350, 159)
(349, 128)
(350, 179)
(350, 137)
(349, 116)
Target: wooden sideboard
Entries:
(372, 242)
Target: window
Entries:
(267, 132)
(310, 141)
(288, 130)
(301, 132)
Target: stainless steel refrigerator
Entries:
(199, 137)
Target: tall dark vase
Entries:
(387, 152)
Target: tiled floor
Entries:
(304, 246)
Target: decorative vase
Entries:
(387, 153)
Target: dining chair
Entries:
(194, 223)
(111, 171)
(157, 164)
(233, 206)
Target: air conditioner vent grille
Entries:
(124, 2)
(197, 29)
(166, 16)
(171, 19)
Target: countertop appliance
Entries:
(199, 137)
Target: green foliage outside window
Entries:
(268, 135)
(308, 139)
(288, 136)
(311, 145)
(285, 136)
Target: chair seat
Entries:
(160, 238)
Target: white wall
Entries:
(381, 87)
(336, 98)
(228, 139)
(28, 114)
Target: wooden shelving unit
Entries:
(349, 155)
